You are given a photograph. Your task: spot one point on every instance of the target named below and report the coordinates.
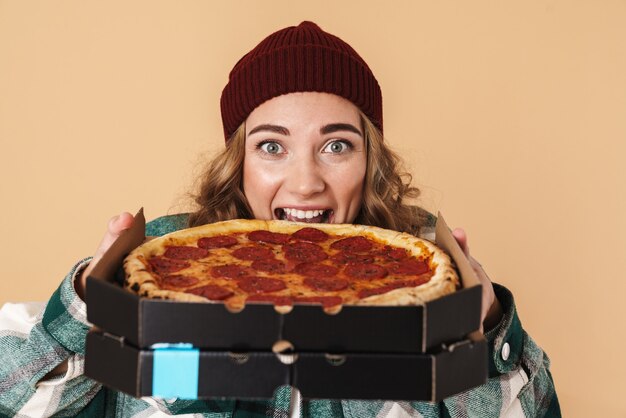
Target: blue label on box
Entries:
(175, 371)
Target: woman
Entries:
(302, 116)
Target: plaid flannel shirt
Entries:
(36, 337)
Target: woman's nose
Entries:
(305, 178)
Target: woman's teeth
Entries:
(303, 214)
(297, 215)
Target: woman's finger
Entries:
(461, 237)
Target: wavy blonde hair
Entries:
(386, 192)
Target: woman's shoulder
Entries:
(425, 223)
(166, 224)
(428, 220)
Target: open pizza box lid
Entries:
(144, 322)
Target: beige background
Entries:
(511, 115)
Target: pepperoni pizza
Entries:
(242, 261)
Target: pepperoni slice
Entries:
(276, 300)
(304, 252)
(424, 278)
(364, 293)
(312, 269)
(411, 266)
(231, 271)
(212, 292)
(347, 257)
(253, 253)
(270, 265)
(356, 244)
(325, 301)
(325, 284)
(220, 241)
(177, 281)
(255, 284)
(185, 253)
(394, 253)
(310, 234)
(366, 271)
(162, 265)
(269, 237)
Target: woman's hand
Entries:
(491, 312)
(116, 225)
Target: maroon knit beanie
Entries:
(298, 59)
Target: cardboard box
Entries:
(256, 375)
(403, 353)
(401, 329)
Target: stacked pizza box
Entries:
(150, 347)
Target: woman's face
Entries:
(305, 159)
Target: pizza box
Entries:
(189, 373)
(143, 322)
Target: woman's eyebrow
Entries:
(271, 128)
(334, 127)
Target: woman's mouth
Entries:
(309, 216)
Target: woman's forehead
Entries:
(304, 107)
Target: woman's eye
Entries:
(270, 147)
(337, 147)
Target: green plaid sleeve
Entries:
(33, 346)
(519, 378)
(65, 316)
